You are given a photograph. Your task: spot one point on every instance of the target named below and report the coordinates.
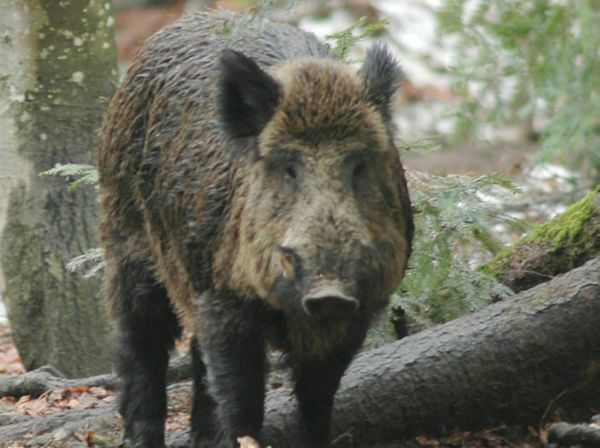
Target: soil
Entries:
(473, 159)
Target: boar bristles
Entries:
(382, 75)
(248, 95)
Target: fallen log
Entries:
(46, 378)
(558, 246)
(567, 435)
(509, 362)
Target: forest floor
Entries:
(104, 431)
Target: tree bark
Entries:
(567, 435)
(561, 244)
(58, 72)
(511, 362)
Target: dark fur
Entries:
(234, 183)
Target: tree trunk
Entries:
(561, 244)
(58, 71)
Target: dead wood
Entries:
(46, 378)
(553, 248)
(564, 434)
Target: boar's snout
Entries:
(328, 301)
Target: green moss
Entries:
(568, 227)
(569, 232)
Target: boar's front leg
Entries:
(316, 381)
(233, 349)
(203, 404)
(147, 328)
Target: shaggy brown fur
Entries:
(259, 197)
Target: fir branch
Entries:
(85, 174)
(342, 41)
(452, 239)
(93, 257)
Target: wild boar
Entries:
(251, 191)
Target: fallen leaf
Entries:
(247, 442)
(89, 438)
(79, 389)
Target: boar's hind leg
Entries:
(203, 406)
(233, 349)
(147, 331)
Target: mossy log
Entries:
(561, 244)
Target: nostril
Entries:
(329, 306)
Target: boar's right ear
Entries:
(247, 95)
(382, 76)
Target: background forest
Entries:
(498, 121)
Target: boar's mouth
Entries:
(327, 301)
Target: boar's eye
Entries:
(285, 166)
(359, 170)
(290, 176)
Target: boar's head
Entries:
(322, 211)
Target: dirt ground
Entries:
(473, 159)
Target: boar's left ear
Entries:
(247, 95)
(382, 76)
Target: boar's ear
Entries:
(247, 95)
(382, 75)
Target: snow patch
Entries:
(77, 77)
(3, 316)
(14, 95)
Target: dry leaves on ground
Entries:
(248, 442)
(10, 362)
(72, 398)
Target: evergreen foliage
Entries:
(454, 215)
(524, 61)
(83, 174)
(342, 41)
(256, 12)
(89, 263)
